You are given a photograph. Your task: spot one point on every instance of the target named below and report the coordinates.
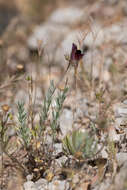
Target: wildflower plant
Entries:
(33, 137)
(80, 144)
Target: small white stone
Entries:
(29, 185)
(106, 76)
(104, 154)
(58, 148)
(41, 184)
(122, 111)
(68, 15)
(125, 102)
(58, 185)
(121, 158)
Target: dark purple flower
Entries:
(76, 54)
(75, 57)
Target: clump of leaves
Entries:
(57, 110)
(46, 105)
(6, 143)
(80, 144)
(23, 129)
(33, 137)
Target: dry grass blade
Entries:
(9, 82)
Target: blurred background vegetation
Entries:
(35, 10)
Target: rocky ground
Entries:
(37, 45)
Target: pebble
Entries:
(41, 184)
(68, 15)
(121, 158)
(29, 185)
(57, 184)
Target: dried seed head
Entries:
(20, 67)
(5, 108)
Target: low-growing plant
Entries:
(33, 137)
(57, 110)
(80, 144)
(6, 121)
